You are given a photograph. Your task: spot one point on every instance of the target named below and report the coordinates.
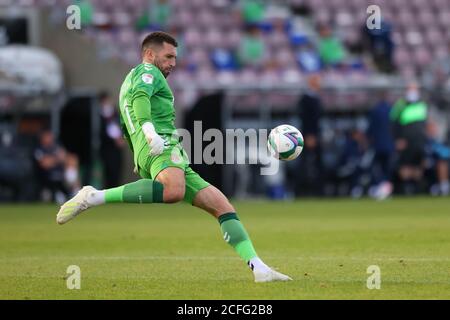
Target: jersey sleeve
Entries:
(145, 85)
(142, 108)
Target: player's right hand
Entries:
(157, 145)
(155, 141)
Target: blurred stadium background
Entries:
(242, 64)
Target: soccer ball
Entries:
(285, 142)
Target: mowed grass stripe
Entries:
(177, 252)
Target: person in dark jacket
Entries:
(381, 140)
(50, 158)
(310, 112)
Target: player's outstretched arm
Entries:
(142, 110)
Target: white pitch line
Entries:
(185, 258)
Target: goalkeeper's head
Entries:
(159, 49)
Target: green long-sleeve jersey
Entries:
(145, 96)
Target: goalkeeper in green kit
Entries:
(147, 117)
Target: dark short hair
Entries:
(158, 38)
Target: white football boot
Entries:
(74, 206)
(269, 275)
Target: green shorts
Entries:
(173, 156)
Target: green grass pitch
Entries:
(177, 251)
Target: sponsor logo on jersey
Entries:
(147, 78)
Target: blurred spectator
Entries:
(155, 16)
(354, 162)
(111, 142)
(408, 117)
(223, 59)
(252, 11)
(51, 164)
(378, 43)
(301, 21)
(382, 142)
(438, 157)
(310, 111)
(252, 50)
(331, 50)
(308, 59)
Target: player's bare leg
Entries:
(173, 180)
(214, 202)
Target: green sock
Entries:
(141, 191)
(235, 235)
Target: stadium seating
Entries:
(205, 26)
